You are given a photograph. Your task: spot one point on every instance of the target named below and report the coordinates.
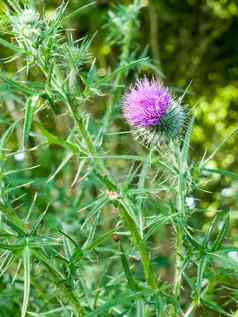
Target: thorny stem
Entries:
(178, 263)
(180, 199)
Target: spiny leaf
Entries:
(101, 239)
(5, 136)
(77, 11)
(123, 299)
(215, 307)
(220, 172)
(219, 146)
(66, 291)
(131, 281)
(11, 46)
(200, 274)
(14, 221)
(53, 139)
(225, 220)
(20, 88)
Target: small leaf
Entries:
(101, 239)
(193, 241)
(123, 299)
(11, 46)
(186, 143)
(53, 139)
(225, 261)
(222, 232)
(6, 135)
(200, 274)
(20, 87)
(214, 306)
(28, 117)
(219, 146)
(140, 308)
(211, 229)
(221, 172)
(14, 221)
(77, 11)
(131, 281)
(38, 222)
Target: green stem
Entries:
(180, 206)
(140, 245)
(178, 263)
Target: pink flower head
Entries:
(146, 103)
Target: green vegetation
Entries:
(93, 223)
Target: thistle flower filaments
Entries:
(146, 103)
(153, 113)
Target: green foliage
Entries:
(91, 222)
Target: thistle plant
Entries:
(150, 106)
(86, 210)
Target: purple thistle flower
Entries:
(146, 103)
